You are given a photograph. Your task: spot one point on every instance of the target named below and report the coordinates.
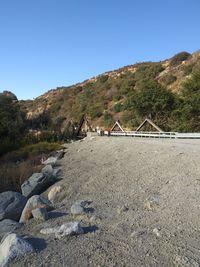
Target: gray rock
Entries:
(52, 161)
(40, 214)
(60, 154)
(57, 173)
(65, 229)
(57, 193)
(7, 226)
(47, 170)
(36, 184)
(82, 203)
(11, 205)
(77, 209)
(13, 246)
(33, 203)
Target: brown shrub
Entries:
(12, 174)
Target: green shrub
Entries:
(29, 151)
(179, 58)
(12, 126)
(168, 79)
(188, 69)
(108, 119)
(118, 107)
(148, 71)
(103, 78)
(95, 111)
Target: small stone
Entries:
(40, 214)
(122, 209)
(52, 161)
(82, 203)
(65, 229)
(57, 193)
(13, 246)
(156, 232)
(77, 209)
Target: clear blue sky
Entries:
(50, 43)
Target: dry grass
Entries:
(12, 174)
(17, 166)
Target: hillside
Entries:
(155, 89)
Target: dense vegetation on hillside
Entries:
(12, 125)
(168, 92)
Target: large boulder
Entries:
(47, 170)
(7, 226)
(11, 205)
(33, 203)
(36, 184)
(13, 246)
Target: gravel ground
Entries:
(144, 207)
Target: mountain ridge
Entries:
(104, 93)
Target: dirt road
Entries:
(144, 210)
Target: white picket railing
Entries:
(155, 134)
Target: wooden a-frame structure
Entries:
(151, 123)
(117, 127)
(83, 121)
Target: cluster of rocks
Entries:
(16, 209)
(39, 182)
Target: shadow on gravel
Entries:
(90, 229)
(38, 244)
(56, 214)
(89, 210)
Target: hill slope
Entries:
(154, 89)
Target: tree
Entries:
(12, 125)
(191, 101)
(152, 99)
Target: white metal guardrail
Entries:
(155, 134)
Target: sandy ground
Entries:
(144, 210)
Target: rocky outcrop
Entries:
(11, 205)
(13, 246)
(33, 203)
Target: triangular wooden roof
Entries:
(83, 119)
(151, 123)
(118, 125)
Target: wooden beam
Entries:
(151, 123)
(117, 123)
